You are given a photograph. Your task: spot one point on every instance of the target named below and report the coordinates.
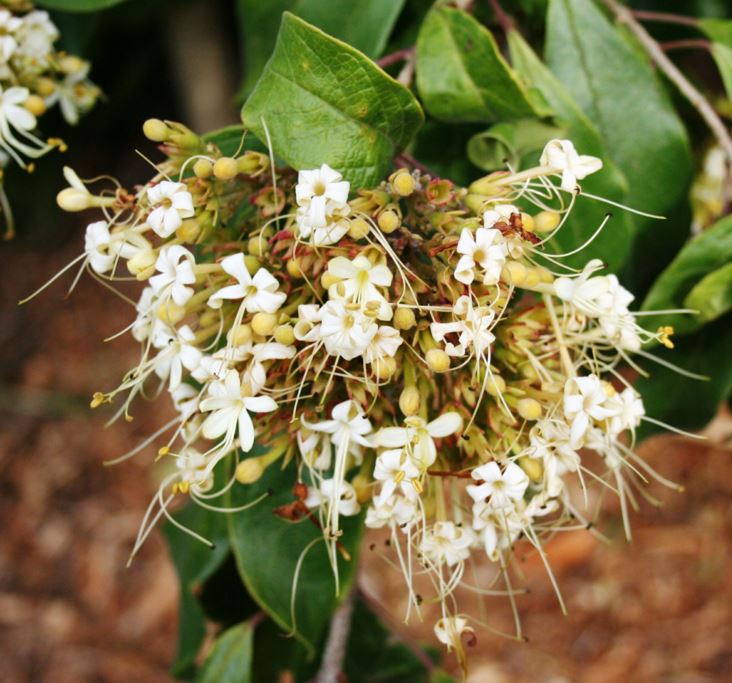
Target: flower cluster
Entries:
(421, 350)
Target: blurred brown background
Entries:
(70, 612)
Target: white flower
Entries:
(259, 293)
(550, 443)
(230, 407)
(561, 156)
(258, 354)
(96, 246)
(498, 527)
(36, 36)
(583, 290)
(449, 629)
(185, 400)
(315, 448)
(500, 213)
(13, 115)
(322, 197)
(9, 24)
(172, 204)
(396, 509)
(313, 190)
(146, 319)
(177, 351)
(307, 327)
(383, 344)
(175, 265)
(346, 331)
(484, 248)
(194, 470)
(629, 410)
(418, 435)
(360, 281)
(447, 543)
(500, 488)
(344, 500)
(75, 95)
(395, 469)
(472, 327)
(585, 399)
(347, 425)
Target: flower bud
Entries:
(203, 168)
(384, 368)
(250, 470)
(409, 401)
(35, 105)
(389, 221)
(70, 64)
(225, 168)
(189, 230)
(546, 221)
(252, 163)
(527, 221)
(533, 467)
(285, 334)
(264, 323)
(496, 385)
(403, 182)
(544, 274)
(358, 228)
(257, 245)
(437, 360)
(155, 130)
(529, 408)
(171, 313)
(404, 318)
(476, 203)
(363, 487)
(71, 199)
(486, 186)
(514, 273)
(294, 268)
(45, 87)
(142, 260)
(532, 277)
(241, 335)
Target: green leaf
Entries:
(619, 91)
(268, 549)
(78, 5)
(461, 75)
(323, 101)
(712, 295)
(719, 30)
(614, 242)
(367, 27)
(723, 57)
(681, 401)
(194, 562)
(230, 660)
(276, 653)
(703, 254)
(518, 143)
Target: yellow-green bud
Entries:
(189, 230)
(404, 318)
(35, 105)
(241, 335)
(532, 278)
(225, 168)
(71, 199)
(528, 222)
(294, 268)
(403, 183)
(155, 130)
(409, 401)
(362, 485)
(252, 263)
(250, 470)
(203, 168)
(384, 368)
(389, 221)
(514, 273)
(142, 260)
(264, 323)
(534, 468)
(546, 221)
(171, 313)
(45, 87)
(496, 385)
(437, 360)
(358, 228)
(285, 334)
(252, 163)
(327, 279)
(257, 245)
(529, 408)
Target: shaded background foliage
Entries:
(182, 60)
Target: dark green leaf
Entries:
(723, 57)
(613, 244)
(707, 252)
(194, 562)
(268, 548)
(367, 26)
(78, 5)
(230, 660)
(712, 295)
(518, 143)
(719, 30)
(276, 653)
(681, 401)
(621, 94)
(461, 75)
(323, 101)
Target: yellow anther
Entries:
(417, 485)
(399, 477)
(665, 332)
(162, 452)
(97, 399)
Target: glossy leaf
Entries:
(194, 562)
(718, 30)
(367, 27)
(614, 243)
(712, 295)
(77, 5)
(705, 253)
(681, 401)
(461, 75)
(268, 549)
(230, 660)
(619, 91)
(323, 101)
(723, 57)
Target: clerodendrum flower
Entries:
(390, 365)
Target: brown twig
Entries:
(394, 57)
(689, 43)
(504, 21)
(664, 17)
(334, 654)
(408, 160)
